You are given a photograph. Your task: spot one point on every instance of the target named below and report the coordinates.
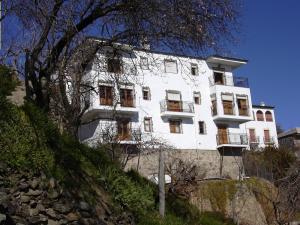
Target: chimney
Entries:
(262, 104)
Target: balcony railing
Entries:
(177, 106)
(243, 112)
(232, 139)
(114, 136)
(231, 81)
(269, 141)
(127, 103)
(254, 139)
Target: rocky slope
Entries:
(27, 198)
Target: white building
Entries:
(191, 103)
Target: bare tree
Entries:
(51, 29)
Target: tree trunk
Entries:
(161, 183)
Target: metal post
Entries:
(161, 183)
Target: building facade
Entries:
(187, 102)
(291, 139)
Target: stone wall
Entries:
(27, 198)
(212, 162)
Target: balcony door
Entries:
(174, 101)
(243, 106)
(123, 128)
(252, 136)
(219, 78)
(227, 101)
(267, 136)
(222, 135)
(126, 97)
(106, 95)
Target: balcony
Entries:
(229, 80)
(122, 136)
(269, 141)
(177, 108)
(232, 140)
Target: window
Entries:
(170, 66)
(242, 102)
(252, 136)
(148, 127)
(106, 95)
(194, 69)
(202, 128)
(214, 110)
(174, 101)
(146, 93)
(219, 78)
(267, 136)
(123, 127)
(144, 63)
(197, 98)
(126, 97)
(260, 116)
(175, 126)
(227, 101)
(113, 65)
(269, 116)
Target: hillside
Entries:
(50, 178)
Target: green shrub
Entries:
(7, 82)
(22, 146)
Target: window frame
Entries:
(195, 66)
(262, 114)
(179, 126)
(171, 60)
(195, 93)
(150, 124)
(202, 127)
(110, 68)
(269, 116)
(105, 87)
(146, 89)
(142, 65)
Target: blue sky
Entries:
(270, 40)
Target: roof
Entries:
(233, 61)
(263, 106)
(290, 132)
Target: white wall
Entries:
(159, 81)
(260, 126)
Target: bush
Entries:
(7, 82)
(22, 145)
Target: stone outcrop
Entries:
(36, 199)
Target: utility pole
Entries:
(161, 182)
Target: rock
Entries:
(23, 186)
(63, 221)
(3, 198)
(53, 194)
(34, 184)
(41, 208)
(52, 182)
(85, 214)
(84, 206)
(72, 217)
(53, 222)
(62, 208)
(51, 213)
(33, 204)
(25, 199)
(33, 211)
(37, 220)
(34, 192)
(2, 218)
